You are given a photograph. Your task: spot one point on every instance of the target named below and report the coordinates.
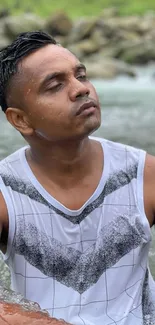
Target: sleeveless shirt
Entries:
(86, 266)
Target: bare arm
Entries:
(149, 189)
(4, 224)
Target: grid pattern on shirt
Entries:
(93, 303)
(131, 205)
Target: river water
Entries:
(128, 116)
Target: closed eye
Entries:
(54, 87)
(82, 77)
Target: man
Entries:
(75, 211)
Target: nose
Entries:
(78, 89)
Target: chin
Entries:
(91, 126)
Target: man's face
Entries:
(54, 89)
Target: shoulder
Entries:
(3, 210)
(123, 154)
(116, 145)
(4, 223)
(12, 157)
(149, 164)
(149, 188)
(11, 165)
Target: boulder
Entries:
(108, 31)
(85, 47)
(15, 310)
(15, 25)
(82, 29)
(147, 23)
(150, 36)
(4, 12)
(109, 36)
(4, 40)
(98, 37)
(13, 314)
(59, 24)
(125, 35)
(110, 51)
(108, 68)
(130, 23)
(114, 26)
(75, 49)
(2, 27)
(62, 40)
(139, 53)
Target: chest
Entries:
(74, 196)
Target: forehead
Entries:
(49, 59)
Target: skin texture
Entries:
(61, 155)
(49, 108)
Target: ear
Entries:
(19, 121)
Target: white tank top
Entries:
(86, 266)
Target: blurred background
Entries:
(115, 39)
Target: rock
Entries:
(2, 27)
(147, 23)
(108, 68)
(4, 12)
(112, 26)
(150, 36)
(4, 40)
(82, 29)
(13, 314)
(59, 24)
(23, 23)
(140, 53)
(109, 51)
(108, 31)
(74, 48)
(88, 46)
(85, 47)
(124, 35)
(130, 39)
(98, 37)
(62, 40)
(15, 310)
(130, 23)
(9, 296)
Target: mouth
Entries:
(87, 108)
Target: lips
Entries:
(86, 106)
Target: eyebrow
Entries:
(52, 76)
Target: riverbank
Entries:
(109, 45)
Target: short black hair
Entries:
(10, 56)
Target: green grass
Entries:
(76, 8)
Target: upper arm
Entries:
(4, 223)
(149, 188)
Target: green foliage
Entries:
(76, 8)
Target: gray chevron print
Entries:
(113, 183)
(68, 265)
(147, 302)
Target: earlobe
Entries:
(19, 121)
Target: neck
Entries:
(70, 159)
